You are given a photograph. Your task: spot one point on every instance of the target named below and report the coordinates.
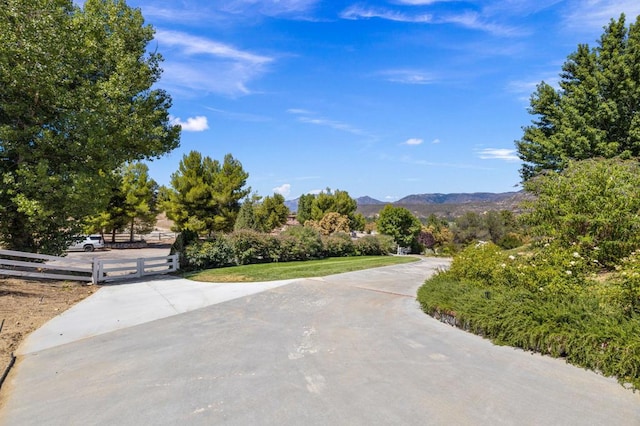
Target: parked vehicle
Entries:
(88, 243)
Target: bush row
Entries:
(297, 243)
(548, 300)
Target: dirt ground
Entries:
(27, 304)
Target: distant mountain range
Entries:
(445, 205)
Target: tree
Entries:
(399, 223)
(271, 213)
(595, 112)
(304, 208)
(76, 102)
(315, 207)
(205, 195)
(246, 215)
(139, 198)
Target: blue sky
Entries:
(378, 98)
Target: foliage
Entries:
(272, 213)
(205, 195)
(308, 244)
(316, 207)
(76, 103)
(246, 218)
(594, 114)
(305, 202)
(245, 247)
(183, 240)
(577, 327)
(400, 224)
(593, 203)
(139, 198)
(338, 245)
(374, 245)
(213, 253)
(546, 300)
(331, 223)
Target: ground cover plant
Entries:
(548, 300)
(300, 269)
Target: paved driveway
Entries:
(351, 349)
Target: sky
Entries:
(377, 98)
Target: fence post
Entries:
(140, 267)
(95, 267)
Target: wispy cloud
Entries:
(309, 117)
(284, 189)
(268, 7)
(498, 154)
(413, 142)
(359, 12)
(436, 141)
(240, 116)
(202, 65)
(408, 76)
(594, 14)
(470, 20)
(192, 124)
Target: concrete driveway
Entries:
(350, 349)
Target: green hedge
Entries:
(297, 243)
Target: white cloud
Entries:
(316, 191)
(268, 7)
(305, 116)
(470, 20)
(435, 141)
(193, 124)
(284, 189)
(498, 154)
(196, 65)
(358, 12)
(408, 76)
(413, 141)
(192, 45)
(594, 14)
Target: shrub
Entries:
(572, 326)
(214, 253)
(338, 245)
(374, 245)
(183, 240)
(309, 243)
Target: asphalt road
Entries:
(351, 349)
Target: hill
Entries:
(443, 205)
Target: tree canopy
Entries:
(315, 207)
(399, 223)
(76, 102)
(205, 194)
(596, 111)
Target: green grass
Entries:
(291, 270)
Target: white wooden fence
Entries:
(94, 270)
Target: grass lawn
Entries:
(290, 270)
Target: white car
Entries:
(88, 243)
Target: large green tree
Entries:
(139, 199)
(315, 207)
(596, 111)
(76, 102)
(399, 223)
(205, 194)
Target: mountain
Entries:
(368, 201)
(443, 205)
(476, 197)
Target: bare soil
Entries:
(25, 305)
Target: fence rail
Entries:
(94, 270)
